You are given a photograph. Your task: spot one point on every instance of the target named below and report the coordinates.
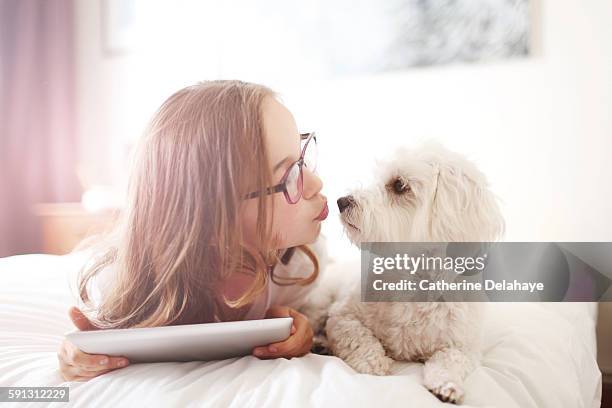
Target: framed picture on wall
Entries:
(346, 37)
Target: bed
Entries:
(535, 355)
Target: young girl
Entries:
(222, 201)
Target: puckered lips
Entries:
(323, 214)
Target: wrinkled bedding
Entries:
(535, 355)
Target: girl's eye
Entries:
(293, 174)
(292, 182)
(400, 186)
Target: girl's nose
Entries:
(312, 184)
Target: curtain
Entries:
(38, 145)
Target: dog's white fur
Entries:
(448, 200)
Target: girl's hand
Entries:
(78, 366)
(298, 343)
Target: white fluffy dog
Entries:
(425, 195)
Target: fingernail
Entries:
(122, 363)
(104, 361)
(293, 329)
(259, 352)
(272, 349)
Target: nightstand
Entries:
(64, 225)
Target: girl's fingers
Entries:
(92, 362)
(81, 378)
(278, 311)
(97, 363)
(303, 335)
(280, 349)
(92, 374)
(294, 346)
(72, 373)
(298, 343)
(76, 373)
(87, 361)
(67, 371)
(118, 362)
(272, 350)
(78, 366)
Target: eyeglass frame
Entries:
(282, 186)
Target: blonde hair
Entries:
(179, 235)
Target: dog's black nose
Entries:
(345, 202)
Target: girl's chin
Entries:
(316, 233)
(305, 240)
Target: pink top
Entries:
(260, 304)
(293, 296)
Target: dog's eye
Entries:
(400, 186)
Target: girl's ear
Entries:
(463, 208)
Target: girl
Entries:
(222, 183)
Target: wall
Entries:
(539, 127)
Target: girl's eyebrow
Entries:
(280, 163)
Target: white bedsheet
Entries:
(535, 355)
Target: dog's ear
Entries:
(463, 209)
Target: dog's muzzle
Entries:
(345, 202)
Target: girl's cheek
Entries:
(291, 225)
(284, 220)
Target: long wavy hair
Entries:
(179, 236)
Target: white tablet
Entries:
(210, 341)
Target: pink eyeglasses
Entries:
(292, 182)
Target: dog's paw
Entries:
(448, 391)
(374, 365)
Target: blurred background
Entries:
(522, 87)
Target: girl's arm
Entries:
(299, 341)
(78, 366)
(295, 297)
